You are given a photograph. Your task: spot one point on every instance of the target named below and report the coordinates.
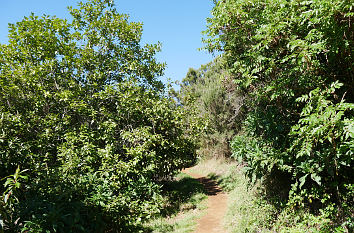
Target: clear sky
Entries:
(177, 24)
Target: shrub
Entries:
(82, 110)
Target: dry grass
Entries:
(248, 209)
(244, 212)
(219, 166)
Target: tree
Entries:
(293, 61)
(82, 109)
(209, 92)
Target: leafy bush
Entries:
(259, 158)
(82, 110)
(9, 199)
(293, 62)
(323, 143)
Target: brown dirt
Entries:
(216, 207)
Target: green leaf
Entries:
(316, 178)
(302, 180)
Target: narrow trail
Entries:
(216, 207)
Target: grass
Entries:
(184, 198)
(248, 208)
(244, 213)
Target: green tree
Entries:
(293, 60)
(210, 92)
(82, 109)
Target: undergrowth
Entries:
(250, 210)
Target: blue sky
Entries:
(177, 24)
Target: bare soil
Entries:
(216, 207)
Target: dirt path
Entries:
(216, 207)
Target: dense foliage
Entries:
(87, 131)
(84, 124)
(211, 93)
(293, 61)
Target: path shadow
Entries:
(211, 186)
(182, 193)
(178, 192)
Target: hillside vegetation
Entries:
(86, 129)
(90, 139)
(281, 93)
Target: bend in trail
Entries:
(216, 207)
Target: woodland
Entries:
(90, 138)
